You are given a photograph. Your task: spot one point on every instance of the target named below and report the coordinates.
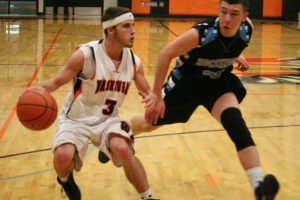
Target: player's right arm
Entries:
(186, 42)
(180, 46)
(73, 66)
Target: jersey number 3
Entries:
(110, 107)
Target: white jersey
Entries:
(100, 88)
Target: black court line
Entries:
(23, 153)
(165, 26)
(160, 135)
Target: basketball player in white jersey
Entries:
(101, 72)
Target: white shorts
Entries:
(79, 134)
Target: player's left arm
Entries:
(141, 83)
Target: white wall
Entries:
(108, 3)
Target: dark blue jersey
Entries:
(215, 54)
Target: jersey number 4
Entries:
(110, 107)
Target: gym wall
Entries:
(164, 8)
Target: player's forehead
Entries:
(231, 7)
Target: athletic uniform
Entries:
(203, 74)
(90, 111)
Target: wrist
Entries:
(153, 97)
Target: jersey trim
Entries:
(134, 64)
(77, 92)
(94, 58)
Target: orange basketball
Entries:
(36, 109)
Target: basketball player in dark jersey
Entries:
(203, 76)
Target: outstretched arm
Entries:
(65, 74)
(180, 46)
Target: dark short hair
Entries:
(113, 12)
(245, 3)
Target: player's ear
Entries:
(110, 30)
(246, 14)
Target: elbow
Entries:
(165, 54)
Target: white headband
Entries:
(118, 20)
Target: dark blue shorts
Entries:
(183, 96)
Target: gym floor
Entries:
(193, 161)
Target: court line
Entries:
(24, 175)
(216, 130)
(13, 112)
(160, 135)
(166, 27)
(91, 149)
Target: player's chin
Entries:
(130, 45)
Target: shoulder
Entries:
(246, 30)
(249, 22)
(86, 48)
(207, 30)
(206, 23)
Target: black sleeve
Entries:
(202, 26)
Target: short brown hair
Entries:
(113, 12)
(245, 3)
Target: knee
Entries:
(122, 150)
(236, 128)
(63, 156)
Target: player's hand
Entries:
(36, 88)
(242, 64)
(153, 115)
(149, 100)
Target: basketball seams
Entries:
(50, 119)
(36, 103)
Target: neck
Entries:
(113, 50)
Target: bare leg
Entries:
(248, 156)
(63, 159)
(139, 125)
(133, 168)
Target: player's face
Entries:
(124, 33)
(231, 16)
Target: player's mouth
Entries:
(226, 28)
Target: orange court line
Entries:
(292, 94)
(272, 64)
(13, 112)
(264, 73)
(266, 60)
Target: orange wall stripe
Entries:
(272, 8)
(137, 8)
(193, 7)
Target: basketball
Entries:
(36, 109)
